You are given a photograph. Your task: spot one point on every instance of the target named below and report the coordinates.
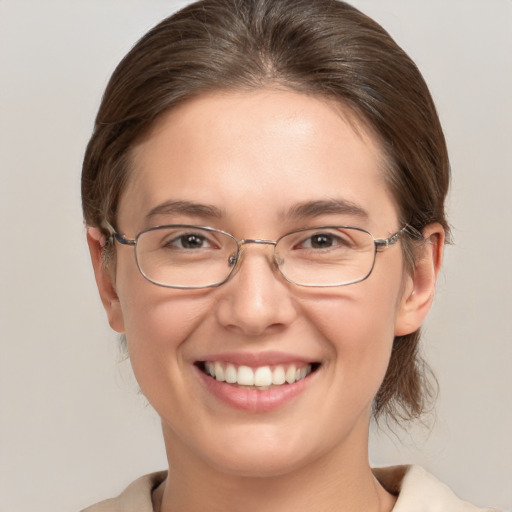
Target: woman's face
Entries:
(244, 162)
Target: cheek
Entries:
(157, 321)
(157, 333)
(355, 323)
(153, 315)
(160, 323)
(359, 332)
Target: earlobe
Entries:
(420, 287)
(104, 279)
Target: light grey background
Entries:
(72, 428)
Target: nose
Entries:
(256, 300)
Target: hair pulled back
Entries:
(319, 47)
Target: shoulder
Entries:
(419, 491)
(135, 498)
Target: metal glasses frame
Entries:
(379, 243)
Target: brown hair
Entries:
(319, 47)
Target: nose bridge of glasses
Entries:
(257, 241)
(246, 241)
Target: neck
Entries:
(339, 480)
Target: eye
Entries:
(320, 241)
(190, 241)
(323, 241)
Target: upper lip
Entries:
(255, 359)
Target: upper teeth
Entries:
(262, 376)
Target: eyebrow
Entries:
(326, 207)
(306, 209)
(186, 208)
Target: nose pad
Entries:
(278, 261)
(236, 259)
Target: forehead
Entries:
(251, 152)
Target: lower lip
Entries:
(254, 400)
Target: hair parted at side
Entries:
(319, 47)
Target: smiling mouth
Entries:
(261, 377)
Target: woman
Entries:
(264, 194)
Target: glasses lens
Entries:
(327, 256)
(185, 256)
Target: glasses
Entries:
(190, 257)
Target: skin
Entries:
(254, 156)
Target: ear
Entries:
(420, 286)
(105, 280)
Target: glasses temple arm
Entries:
(122, 239)
(386, 242)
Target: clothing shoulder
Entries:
(419, 491)
(135, 498)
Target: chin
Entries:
(258, 452)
